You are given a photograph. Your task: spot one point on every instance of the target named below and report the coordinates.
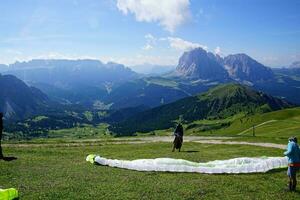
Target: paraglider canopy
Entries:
(234, 166)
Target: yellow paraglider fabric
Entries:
(9, 194)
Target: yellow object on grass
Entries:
(9, 194)
(91, 158)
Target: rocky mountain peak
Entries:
(242, 67)
(200, 64)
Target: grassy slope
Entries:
(63, 173)
(272, 126)
(279, 123)
(219, 102)
(162, 81)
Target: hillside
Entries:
(150, 92)
(275, 126)
(17, 100)
(218, 103)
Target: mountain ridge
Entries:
(219, 102)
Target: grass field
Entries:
(55, 167)
(51, 172)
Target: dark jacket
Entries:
(179, 130)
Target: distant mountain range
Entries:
(218, 103)
(66, 73)
(199, 70)
(95, 85)
(72, 81)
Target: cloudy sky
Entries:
(134, 32)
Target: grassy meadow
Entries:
(61, 172)
(55, 167)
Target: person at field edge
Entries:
(293, 154)
(1, 129)
(178, 133)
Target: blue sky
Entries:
(134, 32)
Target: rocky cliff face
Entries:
(199, 64)
(241, 67)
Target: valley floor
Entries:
(59, 171)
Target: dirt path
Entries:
(260, 144)
(212, 140)
(129, 140)
(142, 140)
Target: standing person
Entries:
(178, 133)
(1, 129)
(293, 154)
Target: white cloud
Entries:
(168, 13)
(149, 37)
(173, 43)
(183, 45)
(21, 56)
(148, 47)
(150, 42)
(218, 51)
(141, 59)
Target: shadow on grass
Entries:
(191, 151)
(277, 170)
(297, 192)
(8, 159)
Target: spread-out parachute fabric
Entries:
(234, 166)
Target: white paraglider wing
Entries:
(235, 165)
